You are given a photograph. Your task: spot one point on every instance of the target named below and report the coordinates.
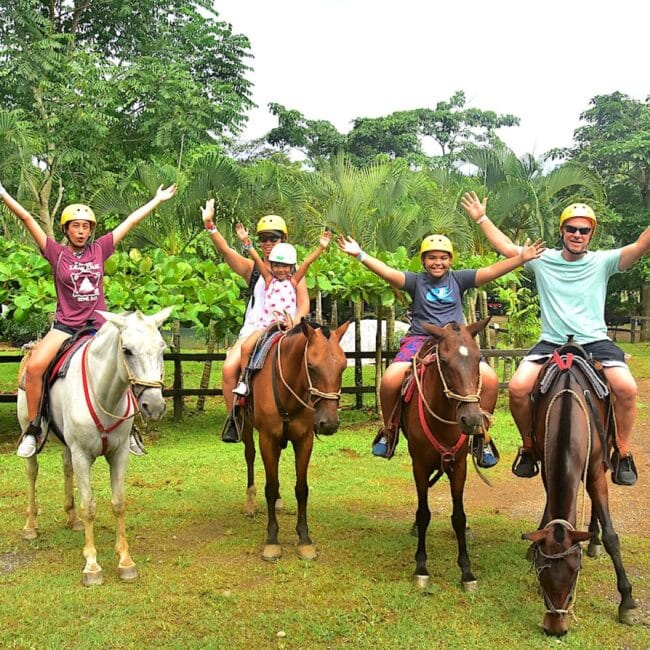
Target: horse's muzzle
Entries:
(470, 418)
(326, 426)
(152, 404)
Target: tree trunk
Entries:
(378, 355)
(319, 306)
(334, 314)
(358, 370)
(645, 311)
(178, 370)
(207, 367)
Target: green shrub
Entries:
(20, 333)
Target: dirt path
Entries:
(630, 507)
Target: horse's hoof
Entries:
(272, 552)
(595, 550)
(77, 525)
(625, 616)
(421, 582)
(250, 510)
(279, 505)
(307, 552)
(127, 573)
(93, 578)
(29, 533)
(470, 586)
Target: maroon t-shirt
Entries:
(79, 280)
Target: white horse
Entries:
(117, 372)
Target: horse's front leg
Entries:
(81, 463)
(249, 454)
(30, 529)
(421, 473)
(74, 523)
(597, 488)
(595, 548)
(303, 449)
(270, 450)
(118, 463)
(459, 520)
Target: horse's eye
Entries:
(127, 352)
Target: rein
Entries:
(447, 453)
(91, 395)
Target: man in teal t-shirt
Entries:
(572, 285)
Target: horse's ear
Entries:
(475, 328)
(342, 329)
(162, 316)
(434, 330)
(119, 320)
(579, 536)
(535, 537)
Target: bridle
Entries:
(313, 391)
(574, 548)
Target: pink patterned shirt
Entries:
(280, 296)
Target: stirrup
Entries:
(624, 469)
(31, 441)
(136, 445)
(230, 432)
(486, 453)
(524, 464)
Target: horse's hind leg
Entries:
(595, 548)
(30, 529)
(126, 566)
(459, 523)
(600, 506)
(250, 506)
(74, 523)
(270, 451)
(303, 449)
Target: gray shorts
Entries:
(605, 351)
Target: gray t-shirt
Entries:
(437, 301)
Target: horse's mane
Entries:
(297, 329)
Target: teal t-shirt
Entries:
(572, 294)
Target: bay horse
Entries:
(109, 378)
(440, 411)
(572, 416)
(294, 395)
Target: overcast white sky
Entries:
(543, 61)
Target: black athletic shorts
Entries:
(604, 350)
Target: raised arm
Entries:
(162, 195)
(31, 224)
(475, 208)
(301, 271)
(527, 252)
(238, 263)
(394, 277)
(634, 252)
(264, 270)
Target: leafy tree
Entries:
(104, 83)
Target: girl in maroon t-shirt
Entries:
(78, 270)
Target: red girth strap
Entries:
(560, 362)
(104, 430)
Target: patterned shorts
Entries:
(409, 346)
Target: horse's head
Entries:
(141, 347)
(458, 359)
(557, 560)
(324, 363)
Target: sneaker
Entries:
(230, 433)
(380, 448)
(241, 389)
(135, 446)
(489, 457)
(624, 472)
(525, 465)
(27, 446)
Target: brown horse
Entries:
(443, 409)
(572, 413)
(294, 395)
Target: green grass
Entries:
(203, 584)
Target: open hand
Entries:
(325, 239)
(349, 246)
(207, 213)
(474, 207)
(532, 251)
(242, 233)
(167, 193)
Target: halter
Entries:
(575, 548)
(310, 387)
(89, 393)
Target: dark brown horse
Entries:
(294, 395)
(443, 409)
(572, 414)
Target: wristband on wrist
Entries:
(362, 256)
(211, 230)
(247, 246)
(480, 220)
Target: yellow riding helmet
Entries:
(436, 243)
(77, 211)
(272, 222)
(579, 210)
